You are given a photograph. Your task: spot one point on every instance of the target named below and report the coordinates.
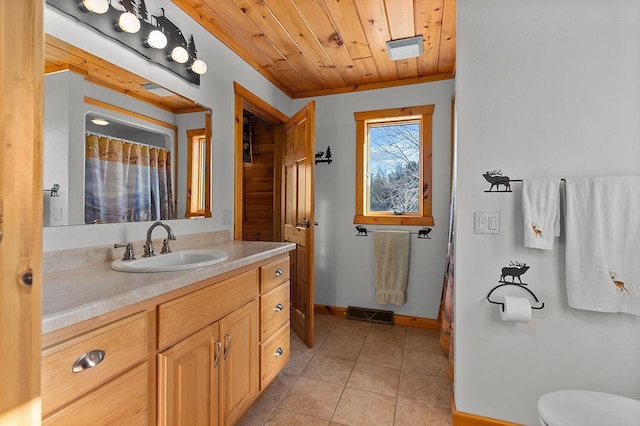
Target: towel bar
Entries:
(422, 234)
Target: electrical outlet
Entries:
(226, 217)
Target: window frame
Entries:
(195, 136)
(423, 114)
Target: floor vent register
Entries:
(371, 315)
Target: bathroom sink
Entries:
(177, 261)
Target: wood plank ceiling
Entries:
(318, 47)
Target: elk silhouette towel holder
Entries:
(422, 233)
(496, 178)
(514, 270)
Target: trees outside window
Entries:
(393, 166)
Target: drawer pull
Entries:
(216, 358)
(278, 307)
(278, 352)
(227, 346)
(88, 360)
(279, 272)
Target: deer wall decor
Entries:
(495, 178)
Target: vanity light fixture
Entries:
(405, 48)
(156, 39)
(199, 67)
(128, 23)
(95, 6)
(99, 121)
(179, 54)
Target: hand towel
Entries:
(391, 254)
(602, 228)
(541, 210)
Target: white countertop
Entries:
(74, 295)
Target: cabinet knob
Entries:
(88, 360)
(278, 352)
(278, 307)
(279, 272)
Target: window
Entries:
(198, 174)
(393, 166)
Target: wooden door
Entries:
(298, 215)
(21, 93)
(239, 362)
(188, 380)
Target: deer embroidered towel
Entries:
(602, 228)
(541, 210)
(391, 255)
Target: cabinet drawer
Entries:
(123, 343)
(274, 355)
(121, 401)
(274, 274)
(274, 310)
(187, 314)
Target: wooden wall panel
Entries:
(258, 185)
(21, 197)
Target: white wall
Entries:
(543, 88)
(344, 270)
(56, 147)
(215, 92)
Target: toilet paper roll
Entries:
(516, 309)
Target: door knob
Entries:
(306, 223)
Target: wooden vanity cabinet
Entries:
(275, 309)
(191, 358)
(101, 375)
(211, 376)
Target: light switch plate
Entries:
(486, 223)
(226, 217)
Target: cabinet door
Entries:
(188, 380)
(239, 385)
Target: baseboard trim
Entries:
(460, 418)
(405, 320)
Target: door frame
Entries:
(245, 100)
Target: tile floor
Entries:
(359, 373)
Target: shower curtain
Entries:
(126, 181)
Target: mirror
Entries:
(80, 88)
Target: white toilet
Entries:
(587, 408)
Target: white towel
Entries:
(602, 228)
(541, 209)
(391, 254)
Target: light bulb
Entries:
(100, 121)
(179, 54)
(95, 6)
(199, 67)
(156, 39)
(129, 23)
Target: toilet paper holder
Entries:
(516, 285)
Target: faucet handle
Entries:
(128, 252)
(165, 246)
(148, 249)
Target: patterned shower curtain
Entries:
(126, 181)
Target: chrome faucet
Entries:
(148, 245)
